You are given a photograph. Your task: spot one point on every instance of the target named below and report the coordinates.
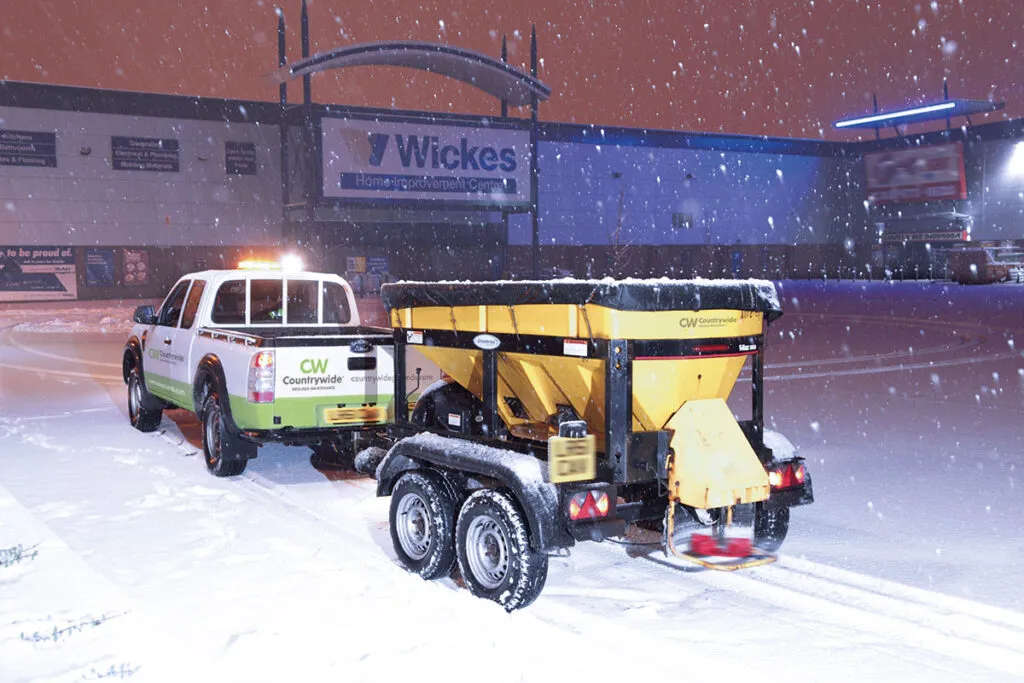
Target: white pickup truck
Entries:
(259, 356)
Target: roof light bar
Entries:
(258, 264)
(894, 116)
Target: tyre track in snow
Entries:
(927, 622)
(973, 336)
(264, 490)
(7, 340)
(983, 635)
(921, 621)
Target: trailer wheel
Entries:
(226, 455)
(422, 524)
(494, 551)
(770, 527)
(144, 411)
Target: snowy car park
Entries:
(905, 398)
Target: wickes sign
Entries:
(381, 160)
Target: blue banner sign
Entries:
(99, 267)
(37, 274)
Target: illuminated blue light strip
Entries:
(902, 114)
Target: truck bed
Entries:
(277, 336)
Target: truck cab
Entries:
(266, 354)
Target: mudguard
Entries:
(210, 368)
(133, 349)
(520, 473)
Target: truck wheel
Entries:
(770, 527)
(494, 551)
(144, 409)
(422, 524)
(226, 455)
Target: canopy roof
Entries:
(491, 75)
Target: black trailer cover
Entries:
(621, 295)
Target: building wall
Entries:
(682, 196)
(691, 203)
(83, 201)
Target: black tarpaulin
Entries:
(620, 295)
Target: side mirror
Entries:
(145, 315)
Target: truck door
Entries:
(184, 338)
(164, 356)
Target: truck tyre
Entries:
(423, 524)
(770, 527)
(494, 551)
(225, 454)
(144, 409)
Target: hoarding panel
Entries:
(365, 159)
(916, 174)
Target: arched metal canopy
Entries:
(493, 76)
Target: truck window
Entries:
(336, 310)
(229, 304)
(302, 302)
(192, 304)
(170, 311)
(266, 302)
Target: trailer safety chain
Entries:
(451, 314)
(586, 319)
(515, 325)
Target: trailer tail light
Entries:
(787, 476)
(711, 348)
(261, 377)
(588, 505)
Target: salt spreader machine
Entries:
(570, 410)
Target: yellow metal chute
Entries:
(713, 465)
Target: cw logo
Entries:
(313, 366)
(154, 353)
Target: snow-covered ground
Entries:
(120, 557)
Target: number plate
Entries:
(353, 416)
(571, 459)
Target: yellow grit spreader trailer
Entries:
(578, 411)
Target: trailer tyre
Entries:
(423, 524)
(494, 551)
(144, 411)
(226, 455)
(770, 527)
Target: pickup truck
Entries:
(259, 356)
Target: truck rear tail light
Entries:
(261, 377)
(588, 505)
(787, 476)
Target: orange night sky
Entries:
(775, 68)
